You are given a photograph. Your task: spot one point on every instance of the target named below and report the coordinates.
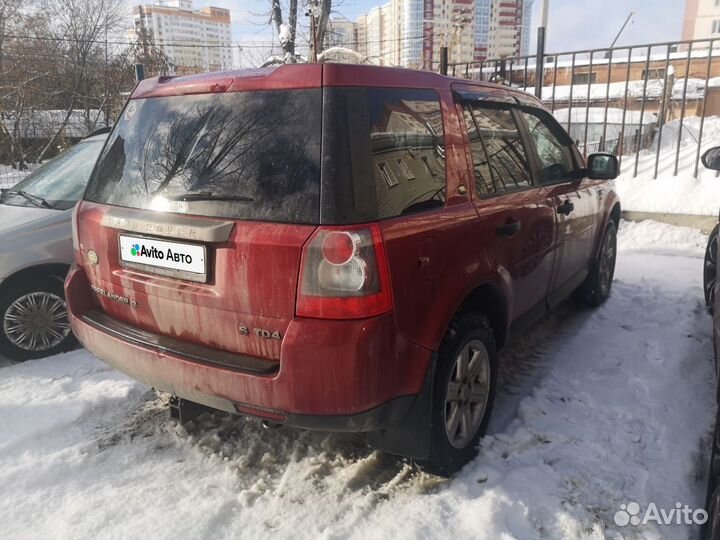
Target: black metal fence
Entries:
(641, 102)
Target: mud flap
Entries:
(410, 438)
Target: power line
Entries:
(187, 44)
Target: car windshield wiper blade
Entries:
(205, 196)
(34, 199)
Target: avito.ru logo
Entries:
(631, 514)
(136, 250)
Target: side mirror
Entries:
(711, 159)
(602, 166)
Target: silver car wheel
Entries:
(607, 262)
(37, 321)
(467, 394)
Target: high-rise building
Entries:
(340, 33)
(410, 33)
(361, 35)
(505, 36)
(702, 19)
(377, 35)
(190, 38)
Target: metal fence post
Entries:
(540, 62)
(704, 108)
(443, 60)
(139, 72)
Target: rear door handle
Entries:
(565, 208)
(511, 227)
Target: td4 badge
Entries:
(259, 332)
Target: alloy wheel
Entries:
(468, 390)
(607, 262)
(37, 321)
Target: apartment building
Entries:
(410, 33)
(341, 33)
(506, 31)
(192, 39)
(702, 19)
(377, 34)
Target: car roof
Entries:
(300, 76)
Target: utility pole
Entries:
(622, 28)
(312, 12)
(540, 55)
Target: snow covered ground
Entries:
(681, 194)
(595, 409)
(9, 176)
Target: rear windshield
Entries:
(243, 155)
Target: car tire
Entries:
(463, 394)
(596, 288)
(710, 268)
(34, 320)
(711, 529)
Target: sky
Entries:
(572, 24)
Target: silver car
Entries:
(36, 252)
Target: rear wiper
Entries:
(34, 199)
(205, 196)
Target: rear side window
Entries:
(553, 147)
(243, 155)
(383, 154)
(499, 159)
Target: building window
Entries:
(387, 174)
(405, 169)
(716, 26)
(654, 73)
(584, 78)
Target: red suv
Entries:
(334, 247)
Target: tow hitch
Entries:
(185, 411)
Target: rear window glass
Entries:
(392, 160)
(244, 155)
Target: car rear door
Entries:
(575, 199)
(194, 199)
(519, 216)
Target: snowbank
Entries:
(681, 194)
(650, 235)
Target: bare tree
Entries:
(323, 17)
(288, 30)
(144, 51)
(83, 27)
(9, 18)
(28, 62)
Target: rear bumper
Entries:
(332, 375)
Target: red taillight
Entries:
(339, 247)
(344, 274)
